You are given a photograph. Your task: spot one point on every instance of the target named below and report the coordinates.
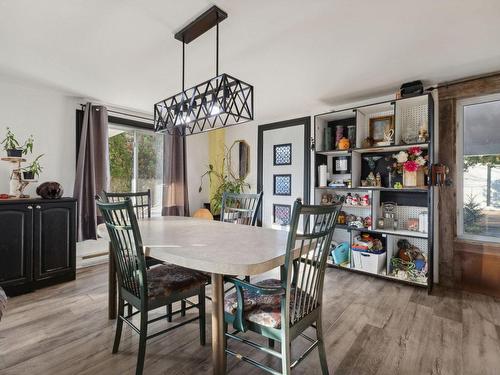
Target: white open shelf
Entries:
(410, 115)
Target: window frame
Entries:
(460, 165)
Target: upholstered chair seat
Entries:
(264, 310)
(166, 279)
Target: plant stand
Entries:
(17, 183)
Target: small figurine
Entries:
(344, 144)
(378, 180)
(348, 199)
(367, 222)
(398, 185)
(324, 199)
(341, 219)
(370, 180)
(356, 200)
(365, 201)
(367, 142)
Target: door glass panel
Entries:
(121, 159)
(136, 163)
(150, 167)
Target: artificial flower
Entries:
(410, 166)
(415, 151)
(421, 161)
(401, 157)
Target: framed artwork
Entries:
(281, 214)
(382, 130)
(282, 154)
(282, 184)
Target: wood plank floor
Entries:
(372, 327)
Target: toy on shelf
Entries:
(341, 219)
(410, 263)
(365, 200)
(366, 242)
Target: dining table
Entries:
(215, 247)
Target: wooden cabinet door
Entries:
(54, 239)
(16, 246)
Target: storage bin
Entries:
(369, 262)
(340, 253)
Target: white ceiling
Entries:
(301, 56)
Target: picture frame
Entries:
(382, 130)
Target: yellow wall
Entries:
(216, 139)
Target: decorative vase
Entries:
(413, 179)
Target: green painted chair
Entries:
(147, 289)
(240, 208)
(282, 310)
(141, 202)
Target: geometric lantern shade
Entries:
(220, 102)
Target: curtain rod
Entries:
(463, 80)
(122, 113)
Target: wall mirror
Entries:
(240, 157)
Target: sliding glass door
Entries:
(136, 162)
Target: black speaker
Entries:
(410, 89)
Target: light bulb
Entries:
(215, 109)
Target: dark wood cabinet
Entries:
(37, 243)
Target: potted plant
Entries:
(11, 145)
(227, 181)
(33, 170)
(28, 145)
(412, 164)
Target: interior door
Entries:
(284, 169)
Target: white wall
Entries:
(50, 117)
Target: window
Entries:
(136, 162)
(478, 158)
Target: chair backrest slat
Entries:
(240, 208)
(304, 275)
(126, 245)
(141, 201)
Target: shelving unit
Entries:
(410, 116)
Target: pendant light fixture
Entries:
(217, 103)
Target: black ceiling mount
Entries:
(201, 24)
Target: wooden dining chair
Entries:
(240, 208)
(283, 309)
(147, 289)
(141, 202)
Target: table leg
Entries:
(112, 298)
(218, 334)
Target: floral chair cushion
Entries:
(264, 310)
(3, 302)
(167, 279)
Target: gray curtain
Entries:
(92, 171)
(175, 189)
